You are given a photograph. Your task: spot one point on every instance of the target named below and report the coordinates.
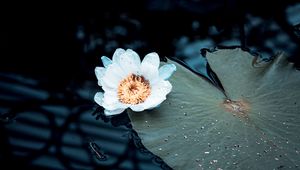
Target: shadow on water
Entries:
(44, 131)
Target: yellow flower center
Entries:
(133, 89)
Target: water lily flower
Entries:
(129, 83)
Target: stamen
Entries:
(133, 89)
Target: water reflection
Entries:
(60, 133)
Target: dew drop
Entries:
(276, 159)
(176, 154)
(197, 131)
(206, 152)
(197, 160)
(219, 133)
(185, 114)
(181, 107)
(146, 121)
(202, 127)
(166, 140)
(160, 149)
(185, 137)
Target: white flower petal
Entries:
(158, 94)
(110, 82)
(113, 112)
(150, 73)
(117, 54)
(111, 101)
(106, 61)
(114, 106)
(154, 101)
(99, 98)
(163, 87)
(112, 76)
(100, 71)
(110, 97)
(151, 59)
(138, 108)
(130, 62)
(166, 71)
(106, 87)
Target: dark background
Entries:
(49, 52)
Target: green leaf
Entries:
(257, 127)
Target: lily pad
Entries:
(255, 125)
